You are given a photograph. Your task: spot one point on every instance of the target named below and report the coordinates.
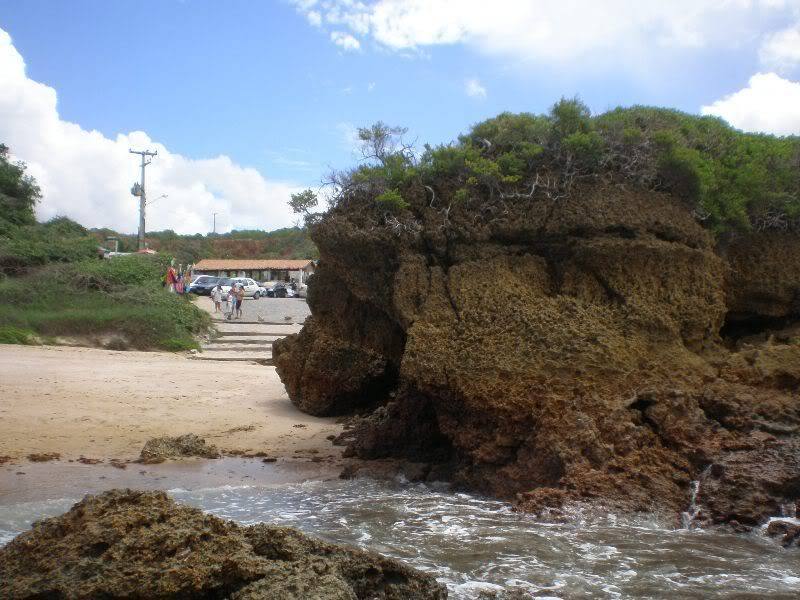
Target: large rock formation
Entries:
(128, 544)
(599, 346)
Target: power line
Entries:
(138, 189)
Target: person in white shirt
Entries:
(216, 296)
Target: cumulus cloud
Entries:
(314, 18)
(781, 50)
(474, 89)
(345, 41)
(552, 30)
(87, 176)
(768, 104)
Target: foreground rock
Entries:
(160, 449)
(130, 544)
(599, 347)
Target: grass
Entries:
(16, 335)
(122, 296)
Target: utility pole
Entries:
(138, 190)
(214, 228)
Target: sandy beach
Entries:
(103, 404)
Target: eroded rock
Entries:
(160, 449)
(133, 544)
(789, 532)
(584, 345)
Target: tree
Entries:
(303, 202)
(381, 142)
(18, 191)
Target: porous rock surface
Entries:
(600, 347)
(133, 544)
(159, 449)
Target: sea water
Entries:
(478, 546)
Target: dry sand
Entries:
(103, 404)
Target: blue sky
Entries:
(278, 86)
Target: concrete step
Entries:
(262, 358)
(240, 322)
(246, 339)
(234, 328)
(237, 348)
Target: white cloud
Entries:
(345, 41)
(474, 89)
(768, 104)
(314, 18)
(87, 176)
(781, 50)
(370, 86)
(553, 30)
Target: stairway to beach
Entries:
(250, 338)
(247, 341)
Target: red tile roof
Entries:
(256, 264)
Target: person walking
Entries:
(232, 294)
(239, 300)
(216, 296)
(227, 298)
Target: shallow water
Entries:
(473, 544)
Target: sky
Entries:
(249, 101)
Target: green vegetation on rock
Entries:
(731, 180)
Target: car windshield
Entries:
(225, 281)
(207, 280)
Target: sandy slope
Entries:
(105, 404)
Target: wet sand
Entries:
(101, 404)
(35, 482)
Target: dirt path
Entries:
(104, 404)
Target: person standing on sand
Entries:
(216, 296)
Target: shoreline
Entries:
(39, 482)
(104, 405)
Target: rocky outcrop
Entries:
(788, 531)
(160, 449)
(129, 544)
(599, 347)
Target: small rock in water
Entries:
(159, 449)
(790, 532)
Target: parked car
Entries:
(203, 285)
(280, 290)
(302, 291)
(251, 288)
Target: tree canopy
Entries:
(731, 179)
(18, 192)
